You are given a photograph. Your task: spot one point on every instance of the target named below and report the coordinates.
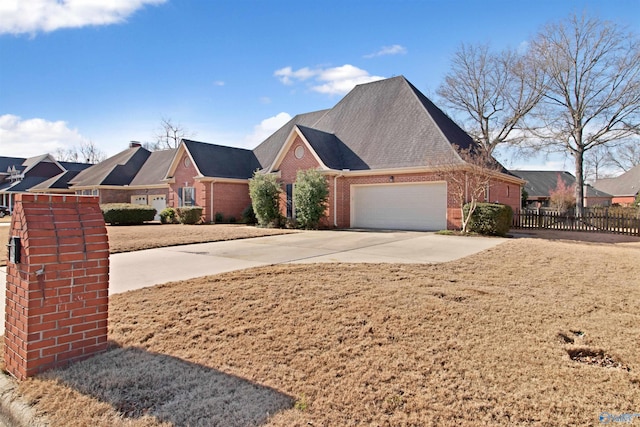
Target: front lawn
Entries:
(532, 332)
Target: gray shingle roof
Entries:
(267, 151)
(58, 182)
(222, 162)
(627, 184)
(333, 152)
(116, 170)
(384, 124)
(541, 183)
(154, 168)
(7, 162)
(75, 166)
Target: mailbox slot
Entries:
(14, 249)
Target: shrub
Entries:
(490, 219)
(219, 218)
(264, 191)
(248, 215)
(310, 198)
(127, 213)
(168, 216)
(189, 215)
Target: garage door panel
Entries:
(419, 206)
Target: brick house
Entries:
(131, 176)
(624, 188)
(213, 177)
(540, 184)
(382, 148)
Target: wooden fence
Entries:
(592, 221)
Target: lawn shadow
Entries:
(138, 383)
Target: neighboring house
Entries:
(20, 175)
(624, 188)
(540, 184)
(212, 176)
(134, 175)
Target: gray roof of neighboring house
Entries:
(627, 184)
(7, 162)
(541, 183)
(222, 162)
(24, 184)
(58, 182)
(75, 166)
(120, 169)
(154, 170)
(384, 124)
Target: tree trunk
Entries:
(579, 158)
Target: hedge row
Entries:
(127, 213)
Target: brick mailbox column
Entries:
(57, 283)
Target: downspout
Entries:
(211, 204)
(335, 199)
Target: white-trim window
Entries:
(186, 196)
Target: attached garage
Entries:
(401, 206)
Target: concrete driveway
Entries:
(145, 268)
(134, 270)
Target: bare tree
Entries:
(592, 97)
(169, 135)
(625, 156)
(86, 152)
(596, 162)
(66, 154)
(90, 153)
(469, 180)
(492, 92)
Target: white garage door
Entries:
(159, 202)
(415, 206)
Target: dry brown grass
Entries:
(479, 341)
(148, 236)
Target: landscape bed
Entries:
(532, 332)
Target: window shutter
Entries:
(179, 196)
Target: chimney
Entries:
(135, 144)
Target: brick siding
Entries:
(57, 296)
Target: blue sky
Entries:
(233, 71)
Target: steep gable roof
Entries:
(627, 184)
(332, 151)
(267, 151)
(116, 170)
(220, 161)
(379, 125)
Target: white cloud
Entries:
(331, 81)
(32, 16)
(287, 75)
(32, 137)
(218, 83)
(395, 49)
(265, 129)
